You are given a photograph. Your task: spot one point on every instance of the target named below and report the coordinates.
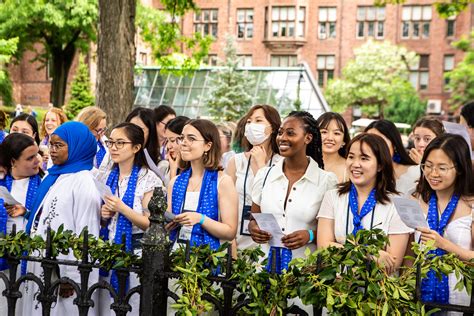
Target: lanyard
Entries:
(247, 174)
(347, 218)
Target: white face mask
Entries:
(255, 133)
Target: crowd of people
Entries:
(319, 184)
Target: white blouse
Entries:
(19, 192)
(408, 181)
(303, 201)
(385, 216)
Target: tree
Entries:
(61, 27)
(445, 8)
(229, 97)
(81, 95)
(405, 106)
(7, 49)
(378, 72)
(461, 78)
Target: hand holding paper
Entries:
(103, 189)
(267, 222)
(8, 199)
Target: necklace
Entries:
(194, 187)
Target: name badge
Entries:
(244, 223)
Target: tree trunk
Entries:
(116, 58)
(61, 62)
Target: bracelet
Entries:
(203, 217)
(311, 236)
(27, 214)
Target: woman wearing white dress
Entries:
(126, 213)
(446, 195)
(363, 202)
(407, 172)
(67, 196)
(263, 122)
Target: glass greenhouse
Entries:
(187, 95)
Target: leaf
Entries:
(385, 309)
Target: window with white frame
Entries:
(327, 22)
(287, 21)
(416, 21)
(283, 60)
(370, 21)
(245, 60)
(420, 73)
(210, 60)
(244, 23)
(325, 65)
(448, 65)
(451, 26)
(205, 22)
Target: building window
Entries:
(370, 22)
(327, 22)
(419, 74)
(416, 21)
(205, 22)
(245, 60)
(245, 23)
(283, 61)
(325, 68)
(451, 26)
(49, 70)
(285, 22)
(210, 60)
(448, 66)
(143, 59)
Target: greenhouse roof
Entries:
(277, 86)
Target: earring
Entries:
(205, 153)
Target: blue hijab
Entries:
(82, 147)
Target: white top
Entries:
(334, 206)
(408, 181)
(226, 157)
(147, 181)
(19, 191)
(303, 202)
(241, 164)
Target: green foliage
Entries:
(405, 106)
(229, 94)
(461, 78)
(7, 49)
(445, 8)
(162, 32)
(81, 94)
(378, 72)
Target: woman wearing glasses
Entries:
(67, 196)
(95, 119)
(446, 194)
(126, 213)
(202, 197)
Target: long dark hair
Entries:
(162, 111)
(148, 118)
(12, 147)
(325, 119)
(385, 182)
(176, 125)
(456, 148)
(137, 137)
(389, 130)
(31, 121)
(433, 124)
(314, 149)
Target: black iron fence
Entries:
(154, 274)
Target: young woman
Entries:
(67, 196)
(424, 131)
(226, 130)
(25, 124)
(202, 197)
(52, 119)
(446, 194)
(263, 122)
(144, 118)
(407, 172)
(96, 120)
(335, 138)
(163, 114)
(363, 202)
(132, 184)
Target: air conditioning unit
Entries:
(433, 107)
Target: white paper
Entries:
(410, 212)
(103, 189)
(459, 129)
(267, 222)
(153, 167)
(7, 197)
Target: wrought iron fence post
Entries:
(156, 244)
(49, 265)
(12, 294)
(85, 269)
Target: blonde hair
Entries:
(91, 116)
(59, 113)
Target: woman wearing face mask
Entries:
(424, 131)
(363, 201)
(263, 122)
(335, 138)
(52, 119)
(67, 196)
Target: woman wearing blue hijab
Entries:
(67, 196)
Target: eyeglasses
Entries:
(442, 170)
(118, 144)
(189, 139)
(56, 146)
(100, 131)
